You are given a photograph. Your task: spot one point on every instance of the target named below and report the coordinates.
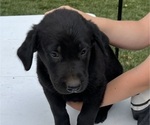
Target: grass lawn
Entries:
(132, 10)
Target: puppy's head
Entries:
(63, 40)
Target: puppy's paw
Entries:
(102, 114)
(101, 117)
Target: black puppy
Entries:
(74, 63)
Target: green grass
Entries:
(132, 10)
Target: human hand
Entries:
(64, 7)
(87, 16)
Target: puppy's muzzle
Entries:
(73, 85)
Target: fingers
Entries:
(61, 7)
(87, 16)
(76, 105)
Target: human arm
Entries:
(131, 35)
(126, 85)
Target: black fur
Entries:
(74, 63)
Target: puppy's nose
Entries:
(73, 89)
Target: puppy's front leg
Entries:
(58, 107)
(87, 115)
(90, 107)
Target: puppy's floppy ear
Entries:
(99, 38)
(28, 47)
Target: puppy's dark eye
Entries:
(83, 52)
(54, 54)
